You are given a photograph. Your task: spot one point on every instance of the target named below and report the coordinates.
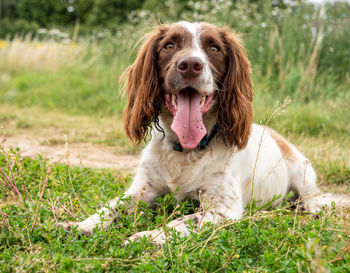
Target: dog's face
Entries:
(191, 64)
(191, 55)
(186, 66)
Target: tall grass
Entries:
(301, 51)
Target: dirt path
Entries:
(80, 154)
(87, 155)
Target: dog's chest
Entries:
(188, 172)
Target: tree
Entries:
(112, 12)
(8, 9)
(83, 9)
(45, 12)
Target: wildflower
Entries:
(2, 44)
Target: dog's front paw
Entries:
(156, 237)
(81, 227)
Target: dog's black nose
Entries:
(190, 67)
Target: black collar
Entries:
(204, 142)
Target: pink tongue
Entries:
(187, 123)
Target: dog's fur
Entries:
(199, 60)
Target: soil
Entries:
(79, 154)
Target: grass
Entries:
(275, 240)
(49, 88)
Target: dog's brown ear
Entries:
(235, 115)
(142, 89)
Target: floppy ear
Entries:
(143, 90)
(235, 115)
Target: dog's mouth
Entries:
(188, 108)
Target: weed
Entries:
(272, 240)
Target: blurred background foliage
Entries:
(296, 48)
(288, 25)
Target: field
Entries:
(62, 98)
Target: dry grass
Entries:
(49, 128)
(47, 55)
(330, 158)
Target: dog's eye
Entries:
(169, 46)
(213, 49)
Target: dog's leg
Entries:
(140, 189)
(102, 218)
(217, 203)
(303, 183)
(302, 177)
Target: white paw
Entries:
(312, 207)
(156, 237)
(81, 226)
(315, 204)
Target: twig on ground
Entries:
(69, 212)
(341, 256)
(137, 205)
(7, 179)
(52, 205)
(42, 186)
(69, 174)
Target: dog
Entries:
(190, 89)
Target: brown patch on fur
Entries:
(210, 35)
(167, 61)
(219, 174)
(247, 184)
(143, 89)
(282, 143)
(235, 98)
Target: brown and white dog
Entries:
(191, 89)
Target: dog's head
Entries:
(189, 67)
